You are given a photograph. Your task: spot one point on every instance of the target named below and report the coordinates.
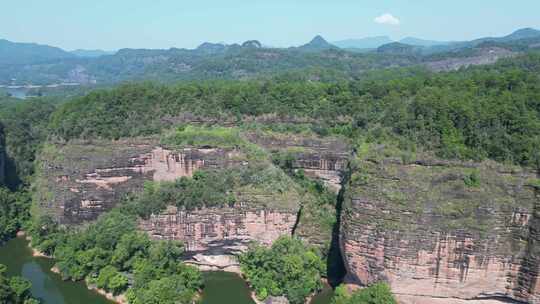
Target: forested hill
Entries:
(250, 60)
(481, 112)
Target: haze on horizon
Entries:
(112, 25)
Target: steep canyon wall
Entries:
(437, 230)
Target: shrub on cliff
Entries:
(379, 293)
(289, 268)
(204, 137)
(214, 188)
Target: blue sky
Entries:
(113, 24)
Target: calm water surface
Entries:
(220, 288)
(225, 288)
(229, 288)
(46, 285)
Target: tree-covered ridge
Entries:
(30, 63)
(25, 127)
(233, 62)
(481, 112)
(110, 254)
(289, 268)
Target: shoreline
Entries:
(236, 270)
(35, 253)
(119, 299)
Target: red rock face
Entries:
(395, 229)
(201, 229)
(88, 180)
(220, 231)
(83, 181)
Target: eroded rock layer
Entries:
(440, 231)
(320, 158)
(77, 182)
(212, 235)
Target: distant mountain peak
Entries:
(319, 40)
(254, 44)
(318, 44)
(527, 32)
(209, 47)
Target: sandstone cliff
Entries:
(320, 158)
(78, 181)
(442, 231)
(213, 236)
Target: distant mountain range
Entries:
(27, 53)
(91, 53)
(378, 41)
(363, 43)
(30, 63)
(24, 53)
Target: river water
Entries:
(46, 285)
(220, 287)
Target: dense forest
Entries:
(483, 112)
(488, 112)
(288, 268)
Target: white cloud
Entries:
(388, 19)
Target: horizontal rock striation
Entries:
(212, 235)
(321, 158)
(79, 181)
(443, 233)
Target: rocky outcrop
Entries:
(443, 233)
(79, 181)
(322, 158)
(485, 56)
(212, 236)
